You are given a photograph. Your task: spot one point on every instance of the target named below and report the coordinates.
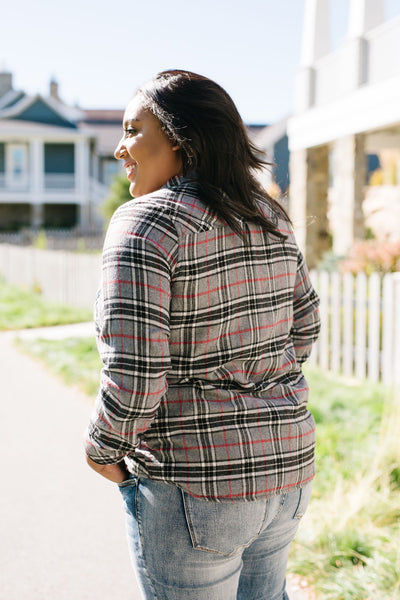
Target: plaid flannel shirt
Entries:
(202, 339)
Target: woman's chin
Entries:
(133, 190)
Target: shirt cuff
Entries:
(100, 454)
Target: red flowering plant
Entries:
(372, 256)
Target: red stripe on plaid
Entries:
(235, 284)
(137, 283)
(232, 333)
(255, 373)
(237, 396)
(245, 443)
(301, 283)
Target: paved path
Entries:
(62, 531)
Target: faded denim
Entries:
(183, 548)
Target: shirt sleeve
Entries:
(306, 319)
(132, 326)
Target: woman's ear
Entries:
(176, 147)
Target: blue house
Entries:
(53, 172)
(273, 140)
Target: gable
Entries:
(40, 112)
(15, 98)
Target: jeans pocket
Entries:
(223, 527)
(127, 482)
(304, 499)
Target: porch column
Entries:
(36, 150)
(349, 174)
(82, 176)
(315, 43)
(37, 216)
(309, 176)
(364, 15)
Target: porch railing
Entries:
(51, 182)
(59, 181)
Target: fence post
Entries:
(323, 354)
(335, 331)
(348, 324)
(387, 328)
(361, 328)
(396, 328)
(374, 309)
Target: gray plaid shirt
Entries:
(202, 339)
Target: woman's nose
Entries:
(119, 151)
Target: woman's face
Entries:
(149, 157)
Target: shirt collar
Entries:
(177, 180)
(174, 181)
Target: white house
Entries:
(53, 160)
(347, 107)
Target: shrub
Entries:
(119, 194)
(372, 256)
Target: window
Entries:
(59, 158)
(17, 159)
(110, 168)
(59, 166)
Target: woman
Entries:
(204, 318)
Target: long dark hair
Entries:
(199, 115)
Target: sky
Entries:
(100, 51)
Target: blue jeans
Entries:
(183, 548)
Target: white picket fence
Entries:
(360, 332)
(65, 277)
(360, 325)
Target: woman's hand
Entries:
(116, 473)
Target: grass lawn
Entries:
(75, 360)
(20, 309)
(348, 545)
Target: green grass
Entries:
(75, 360)
(20, 309)
(348, 545)
(348, 414)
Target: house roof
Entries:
(253, 130)
(266, 137)
(10, 98)
(103, 116)
(15, 127)
(39, 109)
(107, 136)
(21, 113)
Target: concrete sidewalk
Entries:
(62, 533)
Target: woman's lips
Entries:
(130, 168)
